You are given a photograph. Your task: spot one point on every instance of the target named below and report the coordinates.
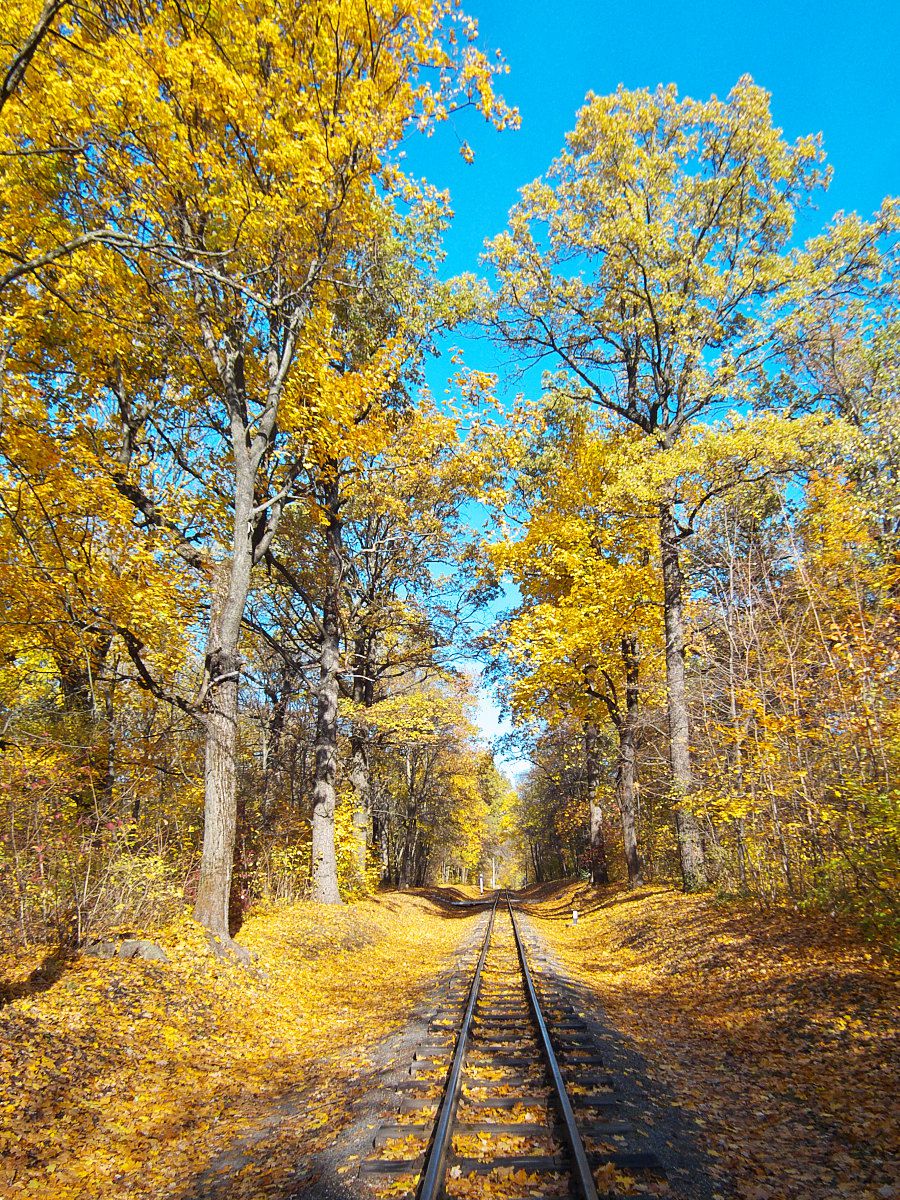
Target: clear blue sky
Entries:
(831, 67)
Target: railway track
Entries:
(509, 1097)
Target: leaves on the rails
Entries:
(152, 1079)
(776, 1038)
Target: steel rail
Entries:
(581, 1167)
(432, 1183)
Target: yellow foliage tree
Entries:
(584, 567)
(230, 161)
(642, 265)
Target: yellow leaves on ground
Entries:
(777, 1038)
(486, 1146)
(145, 1079)
(611, 1182)
(503, 1183)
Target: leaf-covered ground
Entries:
(779, 1035)
(151, 1079)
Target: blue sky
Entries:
(830, 66)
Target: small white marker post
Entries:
(574, 916)
(481, 884)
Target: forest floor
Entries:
(774, 1035)
(777, 1035)
(146, 1079)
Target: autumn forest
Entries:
(259, 575)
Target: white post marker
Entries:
(574, 916)
(481, 883)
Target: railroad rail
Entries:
(508, 1098)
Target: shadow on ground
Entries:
(662, 1127)
(450, 902)
(52, 967)
(557, 898)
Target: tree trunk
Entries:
(599, 864)
(219, 814)
(741, 853)
(359, 755)
(222, 664)
(690, 844)
(324, 858)
(384, 843)
(221, 675)
(536, 861)
(359, 778)
(626, 766)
